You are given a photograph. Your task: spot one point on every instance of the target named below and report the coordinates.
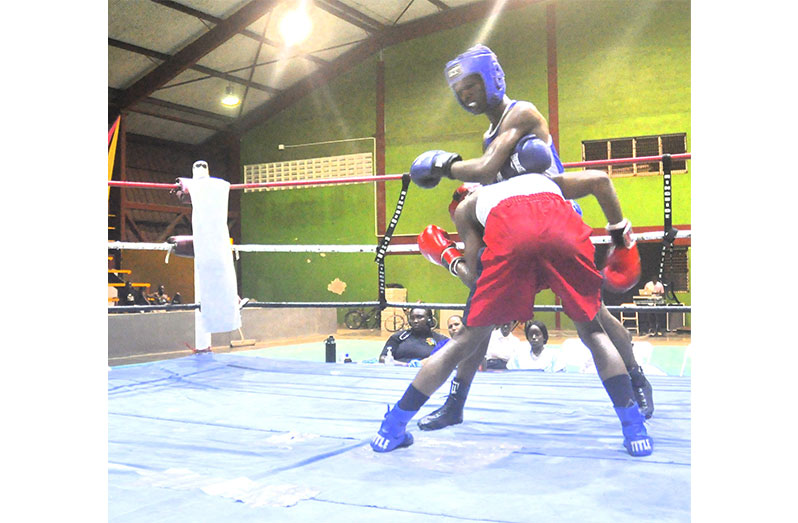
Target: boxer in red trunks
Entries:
(575, 184)
(521, 236)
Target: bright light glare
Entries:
(487, 28)
(295, 27)
(230, 98)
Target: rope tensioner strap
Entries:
(669, 233)
(386, 239)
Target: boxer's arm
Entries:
(462, 272)
(483, 170)
(436, 246)
(622, 270)
(535, 121)
(470, 231)
(579, 184)
(522, 120)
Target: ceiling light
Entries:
(230, 99)
(295, 26)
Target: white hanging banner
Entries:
(214, 272)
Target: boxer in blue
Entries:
(517, 131)
(517, 141)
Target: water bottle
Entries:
(329, 347)
(347, 359)
(389, 357)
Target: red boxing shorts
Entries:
(534, 242)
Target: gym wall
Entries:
(623, 70)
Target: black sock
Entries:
(412, 399)
(619, 389)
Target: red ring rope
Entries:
(385, 178)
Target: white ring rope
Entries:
(410, 248)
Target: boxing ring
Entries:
(248, 437)
(231, 437)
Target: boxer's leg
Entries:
(430, 377)
(451, 413)
(622, 339)
(618, 384)
(441, 364)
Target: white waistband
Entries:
(491, 195)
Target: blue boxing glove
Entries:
(428, 169)
(531, 155)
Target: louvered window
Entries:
(344, 166)
(636, 147)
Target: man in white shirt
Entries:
(654, 288)
(503, 347)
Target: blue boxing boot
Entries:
(635, 438)
(392, 433)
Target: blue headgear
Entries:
(478, 60)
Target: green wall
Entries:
(623, 70)
(324, 215)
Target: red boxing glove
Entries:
(622, 271)
(459, 195)
(437, 247)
